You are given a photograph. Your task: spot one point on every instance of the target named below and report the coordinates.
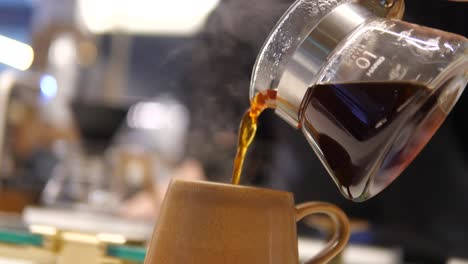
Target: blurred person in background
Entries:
(425, 210)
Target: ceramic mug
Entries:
(202, 222)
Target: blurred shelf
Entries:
(88, 222)
(20, 238)
(131, 253)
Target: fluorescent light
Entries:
(80, 238)
(15, 54)
(43, 230)
(172, 17)
(111, 238)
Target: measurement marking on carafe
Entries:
(405, 34)
(370, 54)
(390, 26)
(386, 29)
(398, 72)
(381, 123)
(364, 61)
(449, 47)
(375, 66)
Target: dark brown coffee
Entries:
(368, 133)
(365, 133)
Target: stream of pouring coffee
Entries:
(248, 129)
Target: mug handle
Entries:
(340, 225)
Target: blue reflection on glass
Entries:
(48, 86)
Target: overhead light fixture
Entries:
(163, 17)
(15, 54)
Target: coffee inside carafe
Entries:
(367, 133)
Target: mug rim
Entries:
(221, 185)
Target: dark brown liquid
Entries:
(248, 129)
(367, 133)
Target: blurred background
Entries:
(103, 102)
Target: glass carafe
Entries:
(368, 90)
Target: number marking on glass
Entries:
(367, 59)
